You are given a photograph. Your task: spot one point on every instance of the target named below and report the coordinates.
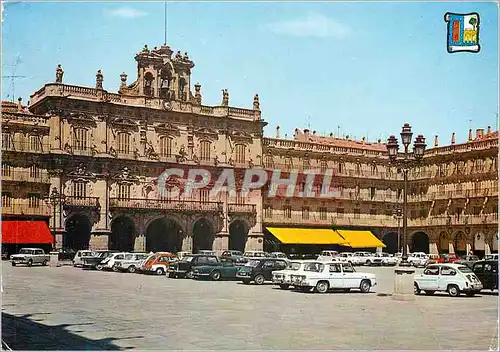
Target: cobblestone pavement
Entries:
(69, 308)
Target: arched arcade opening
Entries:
(203, 235)
(390, 239)
(420, 242)
(122, 236)
(238, 234)
(77, 232)
(164, 235)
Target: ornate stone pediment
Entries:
(125, 176)
(123, 123)
(241, 136)
(81, 174)
(78, 119)
(206, 132)
(166, 129)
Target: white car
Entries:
(388, 259)
(279, 255)
(255, 255)
(418, 259)
(78, 259)
(109, 262)
(326, 256)
(323, 276)
(131, 262)
(362, 258)
(283, 278)
(452, 278)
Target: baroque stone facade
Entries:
(105, 151)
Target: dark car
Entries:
(184, 267)
(235, 256)
(93, 262)
(226, 269)
(487, 272)
(260, 270)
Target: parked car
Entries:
(326, 256)
(235, 256)
(255, 254)
(487, 272)
(491, 257)
(183, 268)
(157, 263)
(109, 262)
(206, 252)
(182, 255)
(322, 276)
(362, 258)
(30, 256)
(260, 270)
(452, 278)
(95, 261)
(78, 258)
(278, 255)
(345, 257)
(418, 259)
(448, 258)
(433, 259)
(468, 260)
(283, 278)
(388, 259)
(226, 269)
(131, 262)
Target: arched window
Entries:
(240, 153)
(123, 143)
(165, 146)
(80, 137)
(205, 150)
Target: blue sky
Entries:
(366, 67)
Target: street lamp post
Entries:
(398, 215)
(54, 199)
(404, 161)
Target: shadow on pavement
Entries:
(23, 333)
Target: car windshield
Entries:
(316, 267)
(25, 251)
(87, 254)
(253, 263)
(293, 266)
(464, 269)
(188, 259)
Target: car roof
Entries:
(31, 248)
(486, 261)
(451, 265)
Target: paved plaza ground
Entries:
(69, 308)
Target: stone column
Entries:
(98, 241)
(221, 242)
(433, 248)
(403, 284)
(255, 241)
(140, 243)
(187, 243)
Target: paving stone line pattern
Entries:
(65, 307)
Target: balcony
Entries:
(25, 147)
(25, 176)
(242, 208)
(328, 219)
(81, 202)
(167, 204)
(25, 209)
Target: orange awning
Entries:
(19, 232)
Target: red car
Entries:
(447, 258)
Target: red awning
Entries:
(18, 232)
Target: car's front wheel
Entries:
(322, 287)
(215, 276)
(13, 264)
(99, 267)
(131, 269)
(159, 271)
(416, 289)
(259, 279)
(365, 286)
(30, 262)
(44, 263)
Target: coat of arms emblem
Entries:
(463, 32)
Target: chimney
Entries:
(453, 138)
(479, 132)
(470, 135)
(306, 133)
(20, 104)
(436, 141)
(489, 130)
(277, 131)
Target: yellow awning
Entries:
(306, 236)
(360, 239)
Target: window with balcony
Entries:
(373, 192)
(322, 213)
(478, 165)
(205, 150)
(459, 189)
(305, 213)
(323, 165)
(388, 193)
(306, 164)
(268, 162)
(35, 144)
(374, 169)
(6, 170)
(80, 138)
(240, 153)
(123, 146)
(6, 141)
(287, 211)
(340, 167)
(476, 210)
(33, 200)
(423, 213)
(357, 213)
(288, 164)
(21, 137)
(6, 199)
(165, 146)
(79, 189)
(358, 169)
(34, 171)
(373, 212)
(204, 196)
(268, 211)
(340, 212)
(124, 191)
(413, 214)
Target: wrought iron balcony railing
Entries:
(242, 208)
(166, 204)
(74, 201)
(25, 208)
(25, 176)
